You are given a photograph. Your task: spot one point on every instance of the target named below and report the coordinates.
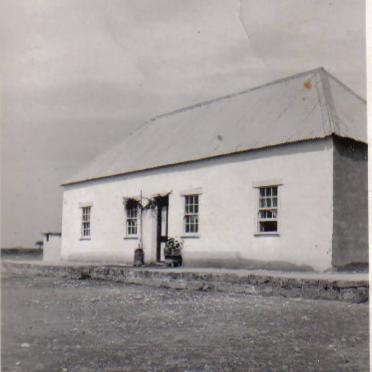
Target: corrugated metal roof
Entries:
(306, 106)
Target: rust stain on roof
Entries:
(307, 84)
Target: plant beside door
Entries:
(172, 252)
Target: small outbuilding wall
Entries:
(228, 198)
(52, 247)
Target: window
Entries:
(132, 213)
(268, 209)
(85, 222)
(191, 217)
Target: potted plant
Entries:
(172, 252)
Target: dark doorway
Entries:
(162, 226)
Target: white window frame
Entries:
(86, 222)
(268, 201)
(128, 218)
(191, 210)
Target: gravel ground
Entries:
(53, 324)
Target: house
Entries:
(271, 177)
(51, 246)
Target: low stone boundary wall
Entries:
(265, 285)
(21, 251)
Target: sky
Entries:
(76, 76)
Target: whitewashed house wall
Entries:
(228, 210)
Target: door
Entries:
(162, 226)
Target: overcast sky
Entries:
(78, 75)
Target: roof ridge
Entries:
(248, 90)
(330, 106)
(221, 98)
(329, 75)
(328, 101)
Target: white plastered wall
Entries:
(228, 209)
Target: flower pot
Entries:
(138, 257)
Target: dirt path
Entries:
(52, 324)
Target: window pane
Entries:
(86, 229)
(191, 213)
(267, 210)
(268, 226)
(132, 212)
(85, 221)
(132, 221)
(163, 221)
(196, 224)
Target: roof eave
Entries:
(72, 182)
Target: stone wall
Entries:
(263, 284)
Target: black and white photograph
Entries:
(184, 185)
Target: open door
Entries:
(162, 226)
